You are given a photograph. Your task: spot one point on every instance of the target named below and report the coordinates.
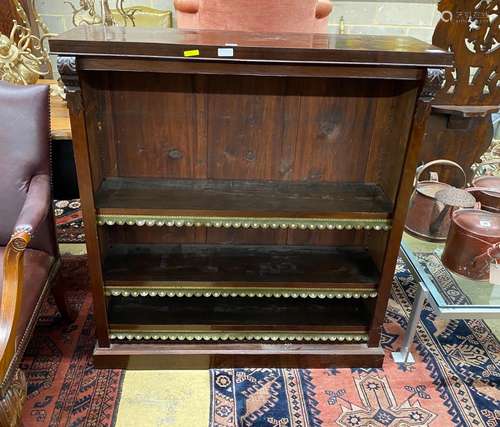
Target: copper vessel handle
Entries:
(484, 189)
(444, 162)
(480, 262)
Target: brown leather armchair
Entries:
(29, 257)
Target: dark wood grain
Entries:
(250, 69)
(243, 265)
(463, 141)
(241, 355)
(389, 259)
(223, 197)
(83, 156)
(218, 126)
(389, 141)
(261, 47)
(330, 117)
(7, 15)
(151, 235)
(236, 236)
(238, 314)
(246, 117)
(133, 234)
(165, 147)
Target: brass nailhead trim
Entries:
(228, 222)
(235, 336)
(128, 292)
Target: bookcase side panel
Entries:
(427, 91)
(87, 175)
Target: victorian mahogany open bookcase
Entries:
(243, 194)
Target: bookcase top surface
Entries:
(196, 45)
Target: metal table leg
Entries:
(404, 355)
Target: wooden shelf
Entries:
(274, 199)
(237, 319)
(238, 313)
(219, 267)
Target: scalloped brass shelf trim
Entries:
(246, 222)
(235, 336)
(236, 292)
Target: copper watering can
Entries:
(473, 243)
(490, 201)
(432, 203)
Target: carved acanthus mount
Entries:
(66, 65)
(433, 83)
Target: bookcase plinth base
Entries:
(239, 355)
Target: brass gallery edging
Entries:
(248, 292)
(235, 336)
(246, 222)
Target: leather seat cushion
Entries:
(36, 269)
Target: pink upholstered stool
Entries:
(297, 16)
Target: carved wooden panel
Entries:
(460, 128)
(471, 30)
(7, 14)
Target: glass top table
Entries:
(450, 295)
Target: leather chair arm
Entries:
(36, 205)
(10, 306)
(33, 212)
(323, 9)
(187, 6)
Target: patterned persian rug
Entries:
(69, 221)
(455, 382)
(63, 387)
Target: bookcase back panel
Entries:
(249, 128)
(374, 241)
(134, 234)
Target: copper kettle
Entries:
(473, 243)
(429, 213)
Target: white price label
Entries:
(225, 51)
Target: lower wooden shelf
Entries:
(237, 320)
(207, 322)
(240, 355)
(239, 270)
(151, 316)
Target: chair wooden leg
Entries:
(62, 303)
(11, 405)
